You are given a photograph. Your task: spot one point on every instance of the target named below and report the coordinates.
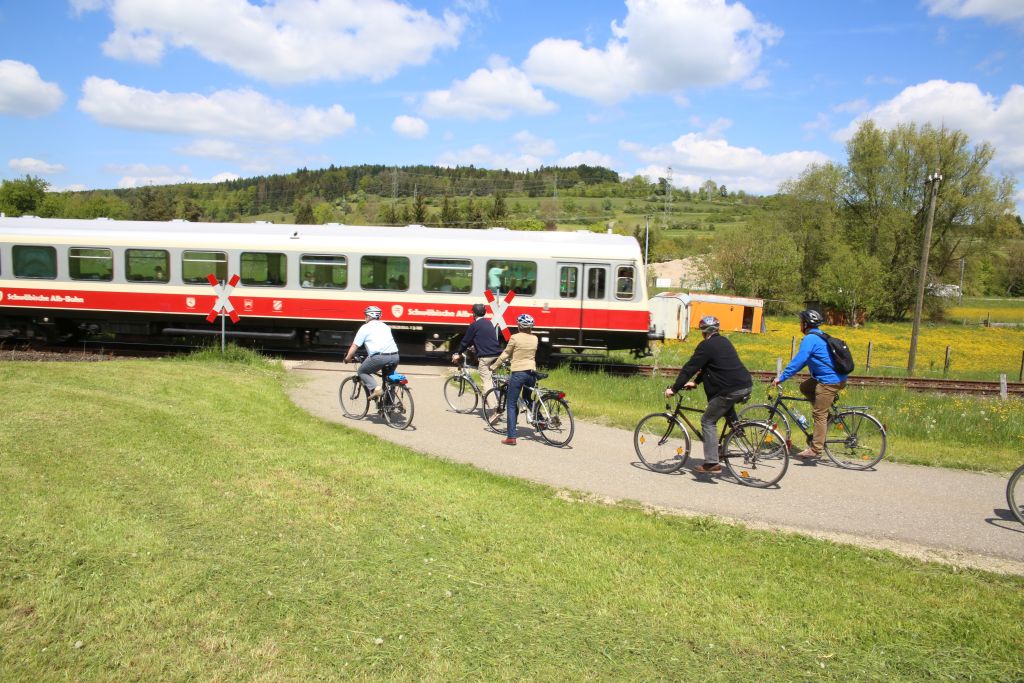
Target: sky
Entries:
(123, 93)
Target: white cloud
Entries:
(588, 157)
(212, 149)
(852, 106)
(140, 175)
(990, 10)
(24, 93)
(533, 145)
(31, 166)
(695, 158)
(662, 46)
(410, 126)
(493, 93)
(484, 156)
(960, 106)
(821, 123)
(225, 113)
(285, 41)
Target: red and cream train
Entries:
(306, 286)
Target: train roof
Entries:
(411, 239)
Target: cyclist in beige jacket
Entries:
(522, 349)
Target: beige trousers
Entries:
(821, 397)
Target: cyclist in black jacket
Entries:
(483, 337)
(726, 383)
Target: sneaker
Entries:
(508, 442)
(808, 454)
(377, 393)
(708, 468)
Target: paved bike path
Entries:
(930, 513)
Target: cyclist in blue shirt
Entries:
(824, 383)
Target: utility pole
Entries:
(933, 185)
(668, 194)
(647, 238)
(960, 292)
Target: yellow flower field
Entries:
(976, 352)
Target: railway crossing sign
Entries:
(223, 304)
(498, 308)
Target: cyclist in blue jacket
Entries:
(824, 383)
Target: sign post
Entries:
(498, 308)
(223, 305)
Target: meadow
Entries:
(182, 520)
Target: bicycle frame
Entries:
(680, 412)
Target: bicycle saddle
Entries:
(540, 375)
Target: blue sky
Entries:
(122, 93)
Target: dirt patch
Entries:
(685, 273)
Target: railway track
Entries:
(941, 386)
(94, 351)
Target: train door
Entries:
(582, 293)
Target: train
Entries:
(306, 286)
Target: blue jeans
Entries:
(517, 382)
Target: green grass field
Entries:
(182, 520)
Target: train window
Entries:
(384, 272)
(447, 275)
(264, 270)
(596, 283)
(624, 279)
(86, 263)
(324, 270)
(567, 288)
(35, 262)
(518, 276)
(146, 265)
(197, 265)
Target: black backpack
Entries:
(842, 359)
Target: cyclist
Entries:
(381, 349)
(482, 336)
(522, 349)
(824, 383)
(726, 383)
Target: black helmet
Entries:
(479, 310)
(709, 324)
(811, 318)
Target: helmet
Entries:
(525, 320)
(811, 318)
(479, 310)
(372, 312)
(709, 324)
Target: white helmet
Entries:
(372, 312)
(525, 320)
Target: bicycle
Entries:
(854, 439)
(1015, 494)
(547, 410)
(395, 405)
(748, 448)
(461, 392)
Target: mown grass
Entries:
(173, 520)
(958, 432)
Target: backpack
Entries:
(839, 352)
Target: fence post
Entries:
(1020, 378)
(1003, 393)
(792, 347)
(870, 345)
(778, 366)
(945, 367)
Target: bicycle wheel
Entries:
(661, 443)
(752, 454)
(493, 410)
(554, 421)
(353, 398)
(762, 412)
(855, 440)
(1015, 494)
(398, 407)
(461, 394)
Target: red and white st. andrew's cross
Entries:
(223, 293)
(498, 308)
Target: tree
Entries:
(449, 212)
(760, 260)
(419, 210)
(498, 210)
(22, 197)
(304, 213)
